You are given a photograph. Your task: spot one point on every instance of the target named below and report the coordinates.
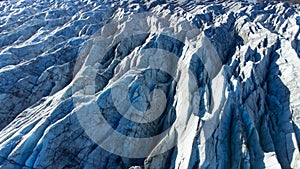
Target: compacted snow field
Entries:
(149, 84)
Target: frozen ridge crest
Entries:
(149, 84)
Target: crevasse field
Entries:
(149, 84)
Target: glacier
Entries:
(149, 84)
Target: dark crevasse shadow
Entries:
(264, 116)
(279, 115)
(296, 42)
(114, 56)
(217, 146)
(256, 119)
(203, 81)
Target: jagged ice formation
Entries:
(217, 81)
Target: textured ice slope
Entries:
(150, 84)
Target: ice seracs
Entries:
(151, 84)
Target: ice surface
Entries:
(149, 84)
